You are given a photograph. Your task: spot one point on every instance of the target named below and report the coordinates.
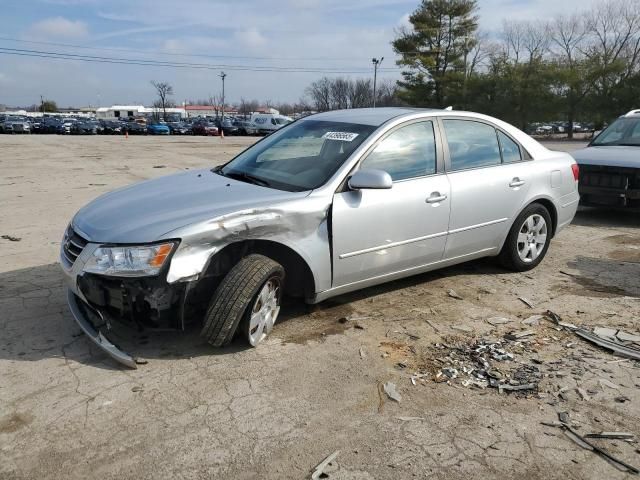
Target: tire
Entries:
(531, 225)
(233, 301)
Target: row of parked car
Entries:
(91, 126)
(558, 127)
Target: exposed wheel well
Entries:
(299, 279)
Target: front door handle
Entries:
(435, 197)
(516, 182)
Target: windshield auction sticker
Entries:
(341, 136)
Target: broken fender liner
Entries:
(95, 335)
(608, 344)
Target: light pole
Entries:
(376, 63)
(222, 76)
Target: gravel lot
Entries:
(316, 385)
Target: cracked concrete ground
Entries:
(67, 411)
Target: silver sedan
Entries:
(329, 204)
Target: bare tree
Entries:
(215, 101)
(164, 91)
(320, 94)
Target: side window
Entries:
(510, 149)
(471, 144)
(406, 153)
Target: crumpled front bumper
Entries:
(78, 309)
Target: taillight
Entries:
(576, 171)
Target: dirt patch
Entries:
(14, 422)
(302, 324)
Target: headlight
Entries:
(129, 261)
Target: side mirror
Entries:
(370, 179)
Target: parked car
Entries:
(246, 127)
(333, 203)
(6, 125)
(66, 125)
(205, 128)
(228, 127)
(179, 128)
(86, 127)
(134, 128)
(16, 124)
(111, 127)
(268, 123)
(158, 129)
(610, 165)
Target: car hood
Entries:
(145, 211)
(611, 156)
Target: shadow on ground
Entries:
(606, 217)
(36, 322)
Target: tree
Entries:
(164, 91)
(574, 73)
(435, 50)
(49, 106)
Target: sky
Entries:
(244, 38)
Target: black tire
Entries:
(509, 257)
(235, 295)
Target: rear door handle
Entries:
(435, 197)
(516, 182)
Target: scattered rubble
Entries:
(452, 293)
(319, 471)
(526, 301)
(11, 238)
(584, 443)
(392, 393)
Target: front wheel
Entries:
(247, 298)
(528, 240)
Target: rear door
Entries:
(487, 171)
(377, 232)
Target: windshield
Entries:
(624, 131)
(299, 157)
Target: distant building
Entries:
(126, 111)
(192, 111)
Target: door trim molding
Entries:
(419, 239)
(479, 225)
(392, 245)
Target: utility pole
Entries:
(222, 76)
(42, 106)
(376, 63)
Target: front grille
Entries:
(72, 245)
(609, 177)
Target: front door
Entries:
(379, 232)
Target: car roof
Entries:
(632, 113)
(367, 116)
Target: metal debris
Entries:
(498, 321)
(11, 238)
(584, 443)
(392, 393)
(519, 335)
(410, 419)
(526, 301)
(319, 470)
(614, 346)
(452, 293)
(362, 354)
(606, 383)
(533, 320)
(611, 435)
(462, 328)
(513, 388)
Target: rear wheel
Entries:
(528, 239)
(249, 298)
